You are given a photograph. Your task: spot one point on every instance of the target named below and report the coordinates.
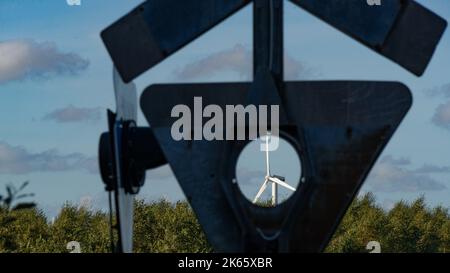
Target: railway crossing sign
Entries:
(338, 128)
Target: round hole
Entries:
(275, 182)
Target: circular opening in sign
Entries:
(268, 170)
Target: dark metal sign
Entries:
(339, 128)
(403, 31)
(156, 29)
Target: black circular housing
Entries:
(105, 160)
(139, 151)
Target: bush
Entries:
(406, 228)
(23, 231)
(164, 227)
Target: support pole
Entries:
(268, 52)
(274, 194)
(268, 38)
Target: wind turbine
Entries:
(274, 179)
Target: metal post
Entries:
(274, 194)
(268, 37)
(268, 50)
(268, 174)
(267, 156)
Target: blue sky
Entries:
(52, 113)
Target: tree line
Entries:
(165, 227)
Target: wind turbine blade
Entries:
(124, 201)
(126, 109)
(125, 210)
(261, 190)
(126, 98)
(281, 183)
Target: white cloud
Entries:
(249, 177)
(28, 59)
(238, 59)
(74, 114)
(18, 160)
(428, 168)
(391, 175)
(395, 161)
(441, 116)
(440, 91)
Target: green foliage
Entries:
(90, 229)
(24, 230)
(167, 227)
(159, 227)
(363, 222)
(406, 228)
